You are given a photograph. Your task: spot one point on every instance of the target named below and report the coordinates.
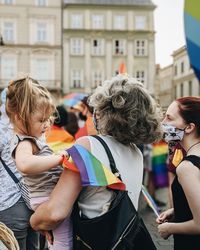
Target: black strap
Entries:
(110, 157)
(194, 159)
(9, 171)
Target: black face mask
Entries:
(82, 117)
(95, 120)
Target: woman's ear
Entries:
(190, 128)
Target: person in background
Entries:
(13, 211)
(86, 111)
(30, 109)
(124, 115)
(57, 137)
(181, 123)
(72, 126)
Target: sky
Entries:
(169, 27)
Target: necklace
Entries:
(193, 146)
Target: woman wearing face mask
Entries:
(182, 123)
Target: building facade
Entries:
(176, 80)
(185, 82)
(31, 32)
(164, 85)
(100, 35)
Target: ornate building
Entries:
(31, 32)
(101, 35)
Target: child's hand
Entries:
(63, 153)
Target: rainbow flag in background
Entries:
(159, 164)
(92, 171)
(59, 139)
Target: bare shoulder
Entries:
(186, 168)
(84, 141)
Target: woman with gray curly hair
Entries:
(124, 115)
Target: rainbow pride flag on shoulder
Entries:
(92, 171)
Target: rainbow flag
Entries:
(192, 30)
(59, 139)
(92, 171)
(159, 164)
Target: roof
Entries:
(111, 2)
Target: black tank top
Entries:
(183, 213)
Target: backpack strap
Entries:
(113, 167)
(194, 159)
(12, 175)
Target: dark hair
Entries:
(72, 125)
(61, 116)
(189, 108)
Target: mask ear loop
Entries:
(95, 120)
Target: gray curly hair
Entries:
(127, 111)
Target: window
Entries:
(76, 21)
(140, 75)
(41, 2)
(8, 1)
(97, 78)
(141, 47)
(8, 67)
(76, 46)
(140, 22)
(76, 79)
(43, 68)
(97, 21)
(119, 47)
(175, 70)
(190, 87)
(119, 22)
(8, 32)
(41, 32)
(182, 67)
(98, 47)
(181, 89)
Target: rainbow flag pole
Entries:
(150, 201)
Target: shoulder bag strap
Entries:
(110, 157)
(15, 179)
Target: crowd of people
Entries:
(42, 146)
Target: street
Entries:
(149, 220)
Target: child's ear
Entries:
(17, 118)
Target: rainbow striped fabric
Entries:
(92, 171)
(159, 164)
(192, 30)
(59, 139)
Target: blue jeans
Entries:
(17, 219)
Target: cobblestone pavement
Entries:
(149, 220)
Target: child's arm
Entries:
(27, 163)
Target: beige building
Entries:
(100, 35)
(184, 81)
(31, 31)
(163, 85)
(176, 80)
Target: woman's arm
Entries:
(49, 214)
(27, 163)
(189, 178)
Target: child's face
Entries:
(39, 124)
